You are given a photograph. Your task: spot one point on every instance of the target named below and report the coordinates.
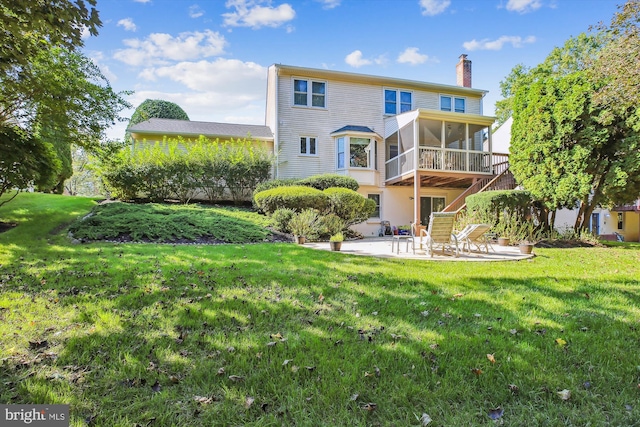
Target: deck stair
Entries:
(503, 180)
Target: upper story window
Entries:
(452, 103)
(397, 101)
(308, 146)
(308, 93)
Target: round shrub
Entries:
(297, 198)
(349, 205)
(330, 180)
(274, 183)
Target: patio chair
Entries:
(475, 235)
(439, 233)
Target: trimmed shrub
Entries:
(297, 198)
(350, 206)
(274, 183)
(493, 204)
(305, 223)
(328, 180)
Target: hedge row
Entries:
(176, 169)
(319, 182)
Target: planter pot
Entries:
(335, 246)
(525, 248)
(300, 240)
(503, 241)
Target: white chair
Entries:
(475, 235)
(440, 233)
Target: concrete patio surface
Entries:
(381, 247)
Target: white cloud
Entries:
(98, 57)
(195, 11)
(523, 6)
(411, 56)
(85, 34)
(142, 1)
(434, 7)
(486, 44)
(329, 4)
(231, 77)
(127, 24)
(250, 13)
(161, 47)
(356, 60)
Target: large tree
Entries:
(155, 108)
(30, 26)
(567, 149)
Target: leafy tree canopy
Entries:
(566, 148)
(29, 26)
(159, 109)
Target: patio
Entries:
(381, 247)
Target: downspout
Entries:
(276, 130)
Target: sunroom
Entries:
(440, 148)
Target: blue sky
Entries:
(211, 56)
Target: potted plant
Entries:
(528, 236)
(336, 240)
(302, 223)
(503, 241)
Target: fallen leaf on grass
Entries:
(36, 345)
(458, 295)
(565, 394)
(286, 362)
(513, 331)
(156, 387)
(203, 400)
(295, 369)
(561, 342)
(369, 406)
(320, 298)
(496, 413)
(221, 371)
(491, 358)
(271, 343)
(476, 371)
(276, 336)
(514, 388)
(248, 402)
(236, 378)
(355, 396)
(425, 419)
(310, 368)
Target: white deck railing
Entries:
(444, 160)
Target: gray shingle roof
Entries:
(210, 129)
(353, 128)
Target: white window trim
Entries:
(310, 82)
(397, 91)
(453, 102)
(375, 219)
(307, 137)
(347, 151)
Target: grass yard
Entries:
(268, 334)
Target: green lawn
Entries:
(279, 334)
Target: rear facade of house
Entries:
(414, 147)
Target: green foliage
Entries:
(156, 108)
(565, 148)
(183, 170)
(28, 26)
(274, 183)
(83, 181)
(350, 206)
(25, 161)
(305, 223)
(491, 204)
(324, 181)
(338, 237)
(296, 197)
(154, 222)
(280, 219)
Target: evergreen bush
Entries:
(297, 198)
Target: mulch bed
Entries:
(566, 244)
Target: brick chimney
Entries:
(463, 71)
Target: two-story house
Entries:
(414, 147)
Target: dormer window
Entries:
(308, 93)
